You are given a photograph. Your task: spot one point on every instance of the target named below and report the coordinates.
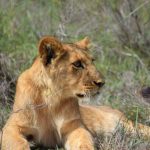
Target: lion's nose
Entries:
(99, 83)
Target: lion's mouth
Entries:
(80, 95)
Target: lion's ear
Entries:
(84, 43)
(49, 48)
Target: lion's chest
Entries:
(49, 129)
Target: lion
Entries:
(46, 109)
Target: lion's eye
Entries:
(78, 64)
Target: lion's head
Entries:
(70, 67)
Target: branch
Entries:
(135, 10)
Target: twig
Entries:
(136, 9)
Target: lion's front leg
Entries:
(13, 140)
(79, 139)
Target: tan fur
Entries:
(46, 107)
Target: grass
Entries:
(125, 69)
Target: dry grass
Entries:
(120, 140)
(7, 87)
(7, 78)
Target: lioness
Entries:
(46, 108)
